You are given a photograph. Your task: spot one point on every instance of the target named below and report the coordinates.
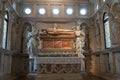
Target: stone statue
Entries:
(80, 41)
(32, 44)
(26, 30)
(82, 36)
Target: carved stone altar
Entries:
(59, 52)
(58, 65)
(66, 68)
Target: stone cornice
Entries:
(54, 19)
(21, 55)
(112, 49)
(57, 1)
(11, 53)
(6, 52)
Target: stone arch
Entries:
(115, 23)
(106, 8)
(84, 27)
(27, 26)
(115, 9)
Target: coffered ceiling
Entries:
(75, 7)
(65, 8)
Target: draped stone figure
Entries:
(33, 43)
(80, 41)
(26, 30)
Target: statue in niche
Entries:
(33, 43)
(26, 30)
(97, 34)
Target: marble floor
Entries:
(8, 77)
(92, 78)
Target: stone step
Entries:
(76, 76)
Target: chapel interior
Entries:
(59, 39)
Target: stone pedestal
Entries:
(75, 76)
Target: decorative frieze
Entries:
(58, 68)
(58, 60)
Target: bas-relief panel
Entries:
(57, 43)
(57, 40)
(58, 68)
(48, 44)
(67, 43)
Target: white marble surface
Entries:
(57, 60)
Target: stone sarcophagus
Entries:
(57, 40)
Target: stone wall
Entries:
(0, 63)
(5, 62)
(20, 64)
(105, 60)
